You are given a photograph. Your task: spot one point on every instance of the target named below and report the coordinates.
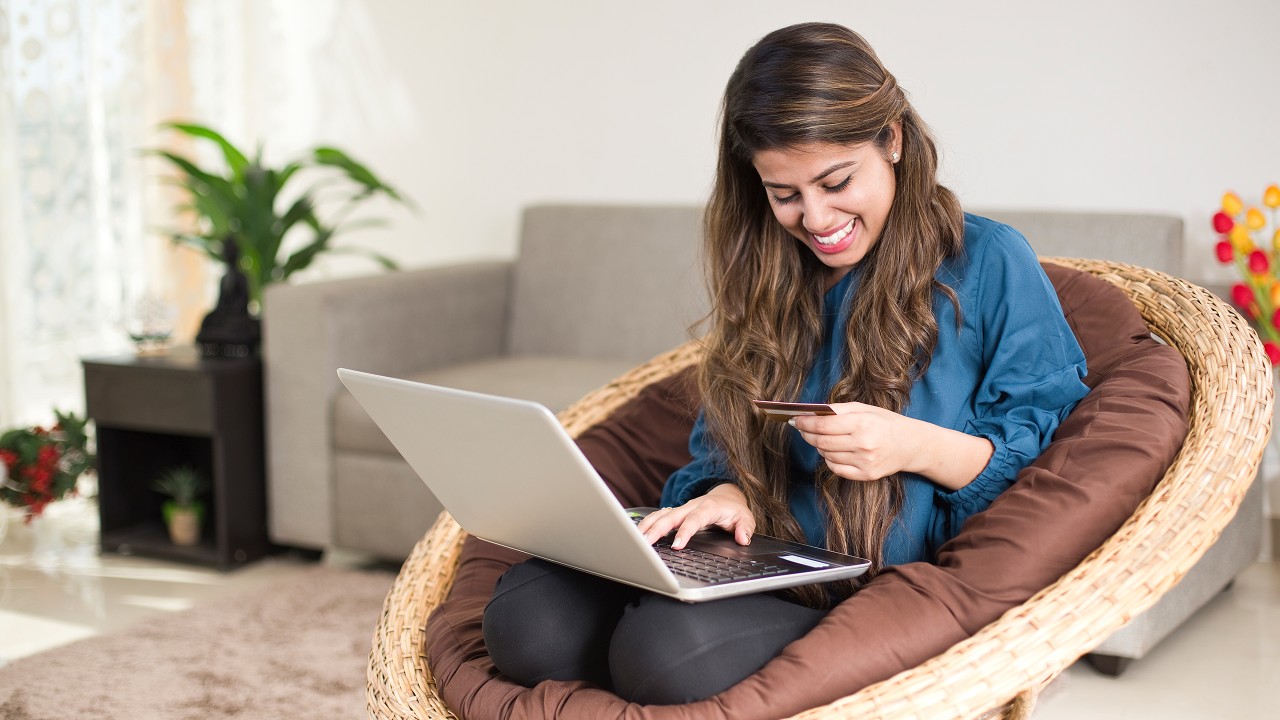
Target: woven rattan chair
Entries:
(999, 671)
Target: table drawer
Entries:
(172, 402)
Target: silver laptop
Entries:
(509, 473)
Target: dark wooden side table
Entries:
(155, 413)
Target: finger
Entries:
(846, 408)
(861, 459)
(811, 437)
(827, 424)
(652, 518)
(849, 472)
(669, 518)
(692, 524)
(731, 521)
(647, 521)
(745, 528)
(836, 442)
(813, 423)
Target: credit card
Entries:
(784, 411)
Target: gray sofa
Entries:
(593, 291)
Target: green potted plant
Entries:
(183, 511)
(246, 202)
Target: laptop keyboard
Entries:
(712, 568)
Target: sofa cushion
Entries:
(606, 281)
(1103, 460)
(553, 381)
(1150, 241)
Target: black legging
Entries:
(549, 622)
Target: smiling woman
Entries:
(841, 272)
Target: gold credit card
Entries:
(784, 411)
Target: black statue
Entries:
(229, 330)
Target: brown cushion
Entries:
(1104, 460)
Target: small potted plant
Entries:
(183, 512)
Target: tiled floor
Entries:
(55, 589)
(1223, 663)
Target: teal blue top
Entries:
(1010, 374)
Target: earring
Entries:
(895, 157)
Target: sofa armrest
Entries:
(388, 324)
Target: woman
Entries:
(840, 271)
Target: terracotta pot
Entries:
(184, 526)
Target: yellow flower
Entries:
(1275, 241)
(1275, 295)
(1231, 204)
(1271, 196)
(1255, 219)
(1240, 240)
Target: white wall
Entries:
(477, 109)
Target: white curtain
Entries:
(83, 85)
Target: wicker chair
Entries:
(999, 671)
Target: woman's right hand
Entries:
(723, 506)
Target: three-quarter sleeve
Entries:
(1034, 369)
(708, 468)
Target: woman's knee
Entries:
(666, 652)
(546, 621)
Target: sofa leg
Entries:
(1109, 665)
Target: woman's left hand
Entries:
(863, 442)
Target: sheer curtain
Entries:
(83, 86)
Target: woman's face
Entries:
(834, 199)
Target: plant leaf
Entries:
(334, 157)
(235, 159)
(287, 172)
(211, 195)
(300, 210)
(190, 168)
(206, 245)
(303, 257)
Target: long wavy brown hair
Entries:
(817, 83)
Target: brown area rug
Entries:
(295, 649)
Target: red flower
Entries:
(8, 457)
(1225, 252)
(48, 455)
(1273, 352)
(1223, 223)
(1258, 262)
(38, 476)
(1241, 294)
